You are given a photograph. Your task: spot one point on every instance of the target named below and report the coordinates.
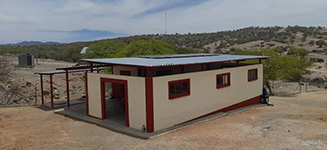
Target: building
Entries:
(26, 60)
(163, 91)
(83, 51)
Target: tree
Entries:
(304, 38)
(320, 43)
(104, 49)
(5, 67)
(298, 52)
(280, 67)
(112, 49)
(156, 47)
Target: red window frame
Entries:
(256, 75)
(224, 85)
(173, 96)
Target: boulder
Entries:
(318, 81)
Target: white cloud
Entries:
(23, 19)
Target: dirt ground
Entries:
(26, 81)
(295, 122)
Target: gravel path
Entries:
(298, 122)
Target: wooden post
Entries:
(91, 67)
(51, 90)
(67, 88)
(42, 97)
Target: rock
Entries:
(318, 81)
(28, 84)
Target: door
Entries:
(124, 91)
(117, 89)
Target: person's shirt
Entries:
(265, 93)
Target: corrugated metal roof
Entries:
(155, 62)
(61, 72)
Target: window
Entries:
(223, 80)
(179, 88)
(252, 74)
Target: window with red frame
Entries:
(223, 80)
(252, 74)
(179, 88)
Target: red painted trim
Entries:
(67, 88)
(182, 94)
(51, 91)
(103, 107)
(86, 95)
(91, 67)
(125, 72)
(42, 95)
(251, 101)
(263, 76)
(256, 71)
(103, 103)
(225, 85)
(149, 102)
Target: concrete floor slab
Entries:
(63, 103)
(117, 123)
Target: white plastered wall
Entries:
(205, 97)
(136, 97)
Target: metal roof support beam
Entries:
(42, 97)
(51, 90)
(67, 88)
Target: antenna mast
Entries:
(166, 22)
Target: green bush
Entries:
(277, 67)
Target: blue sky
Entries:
(83, 20)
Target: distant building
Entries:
(84, 50)
(26, 60)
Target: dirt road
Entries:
(298, 122)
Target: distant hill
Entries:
(29, 43)
(215, 42)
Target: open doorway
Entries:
(114, 100)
